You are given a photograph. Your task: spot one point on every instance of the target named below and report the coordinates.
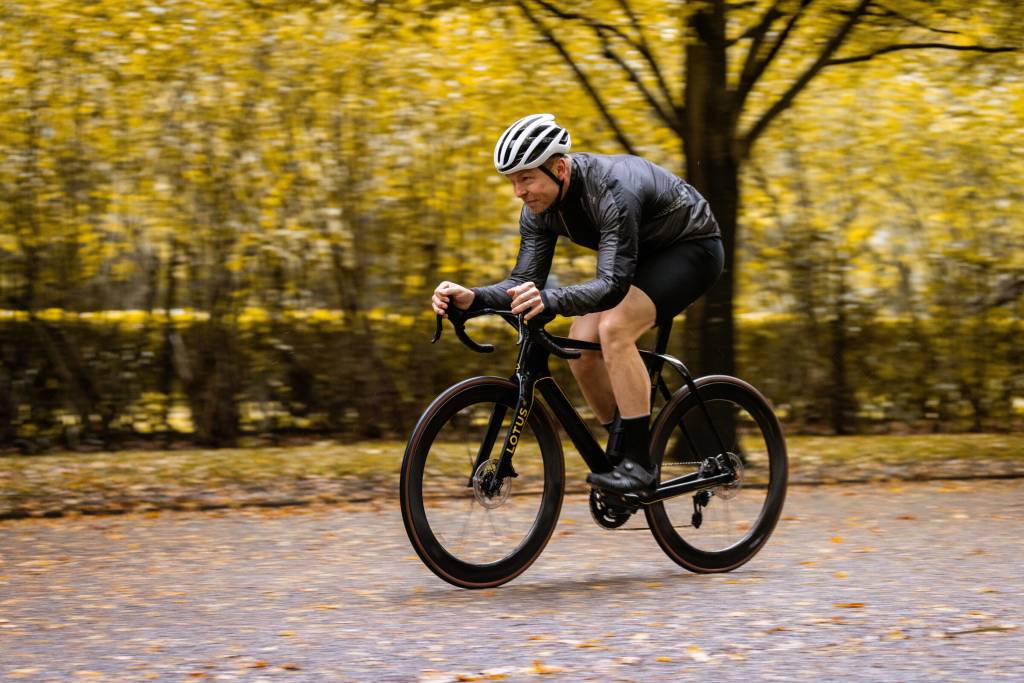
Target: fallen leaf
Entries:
(837, 539)
(697, 654)
(849, 605)
(994, 628)
(663, 659)
(540, 667)
(840, 575)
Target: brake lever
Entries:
(437, 329)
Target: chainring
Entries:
(605, 513)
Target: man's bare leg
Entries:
(590, 371)
(618, 330)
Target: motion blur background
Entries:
(225, 218)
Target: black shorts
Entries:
(678, 275)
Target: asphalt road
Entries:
(902, 582)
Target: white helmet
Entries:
(529, 142)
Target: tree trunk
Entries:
(840, 400)
(712, 167)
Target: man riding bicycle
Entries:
(658, 247)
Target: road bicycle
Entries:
(479, 516)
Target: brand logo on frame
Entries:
(517, 427)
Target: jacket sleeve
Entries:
(617, 219)
(536, 249)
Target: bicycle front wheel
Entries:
(719, 529)
(466, 532)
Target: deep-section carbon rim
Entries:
(735, 525)
(466, 543)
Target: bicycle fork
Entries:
(524, 404)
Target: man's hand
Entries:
(526, 299)
(449, 293)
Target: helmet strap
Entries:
(559, 182)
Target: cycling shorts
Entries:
(676, 276)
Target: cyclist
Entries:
(658, 247)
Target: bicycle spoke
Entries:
(730, 513)
(506, 518)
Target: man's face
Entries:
(535, 188)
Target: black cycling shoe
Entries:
(627, 477)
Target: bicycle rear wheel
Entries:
(734, 520)
(465, 535)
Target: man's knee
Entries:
(615, 330)
(585, 327)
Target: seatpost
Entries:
(664, 330)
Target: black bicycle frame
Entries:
(532, 374)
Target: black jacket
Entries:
(622, 206)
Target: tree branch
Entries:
(584, 81)
(669, 116)
(756, 69)
(889, 12)
(645, 50)
(917, 46)
(669, 113)
(786, 100)
(562, 14)
(757, 32)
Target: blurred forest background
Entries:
(223, 217)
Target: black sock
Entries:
(614, 445)
(635, 441)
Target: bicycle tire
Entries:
(479, 392)
(759, 425)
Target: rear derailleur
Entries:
(728, 462)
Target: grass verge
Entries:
(111, 482)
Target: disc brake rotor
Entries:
(727, 491)
(483, 480)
